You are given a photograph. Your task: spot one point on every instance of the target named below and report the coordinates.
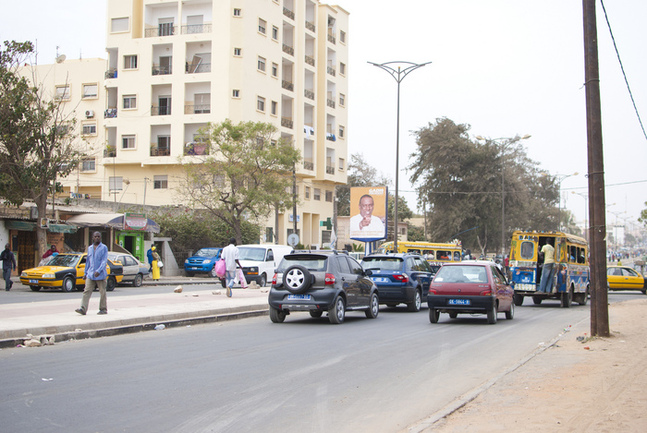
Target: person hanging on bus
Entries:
(547, 270)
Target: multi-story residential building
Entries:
(175, 66)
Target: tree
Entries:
(245, 174)
(36, 142)
(460, 180)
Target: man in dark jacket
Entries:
(8, 263)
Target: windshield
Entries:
(254, 254)
(382, 263)
(67, 260)
(207, 252)
(461, 274)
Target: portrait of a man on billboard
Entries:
(369, 223)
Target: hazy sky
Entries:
(506, 67)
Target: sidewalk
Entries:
(126, 313)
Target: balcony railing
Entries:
(161, 30)
(161, 111)
(288, 49)
(331, 70)
(332, 39)
(310, 60)
(197, 109)
(288, 13)
(109, 152)
(287, 85)
(330, 136)
(196, 148)
(111, 73)
(287, 122)
(330, 169)
(160, 151)
(330, 103)
(310, 26)
(196, 29)
(197, 69)
(309, 94)
(308, 165)
(110, 113)
(162, 70)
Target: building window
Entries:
(261, 64)
(160, 182)
(329, 196)
(342, 68)
(307, 193)
(88, 164)
(130, 102)
(237, 12)
(89, 129)
(260, 104)
(275, 33)
(130, 62)
(62, 93)
(275, 69)
(118, 25)
(238, 52)
(262, 24)
(115, 183)
(274, 108)
(342, 36)
(342, 100)
(235, 93)
(127, 141)
(341, 164)
(317, 195)
(90, 91)
(341, 131)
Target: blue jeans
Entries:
(547, 274)
(231, 277)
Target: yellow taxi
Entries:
(625, 278)
(65, 272)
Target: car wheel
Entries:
(263, 281)
(567, 298)
(111, 283)
(373, 307)
(68, 284)
(212, 272)
(491, 314)
(434, 315)
(536, 300)
(297, 279)
(453, 315)
(417, 301)
(189, 274)
(509, 315)
(276, 315)
(35, 288)
(137, 281)
(316, 313)
(517, 299)
(337, 312)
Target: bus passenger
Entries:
(547, 272)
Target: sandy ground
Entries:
(593, 385)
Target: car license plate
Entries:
(380, 279)
(299, 297)
(33, 281)
(195, 268)
(459, 302)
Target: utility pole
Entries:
(597, 206)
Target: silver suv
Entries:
(322, 281)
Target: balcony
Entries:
(330, 103)
(197, 69)
(197, 109)
(308, 165)
(288, 13)
(330, 169)
(161, 111)
(332, 39)
(287, 85)
(196, 148)
(111, 73)
(109, 152)
(195, 29)
(288, 49)
(309, 94)
(161, 30)
(310, 26)
(331, 70)
(330, 136)
(110, 113)
(310, 60)
(160, 151)
(287, 122)
(162, 70)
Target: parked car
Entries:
(322, 281)
(260, 261)
(66, 271)
(134, 271)
(625, 278)
(202, 262)
(400, 278)
(474, 287)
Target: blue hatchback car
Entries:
(203, 262)
(400, 278)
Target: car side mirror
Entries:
(368, 272)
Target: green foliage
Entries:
(246, 175)
(460, 182)
(415, 233)
(643, 216)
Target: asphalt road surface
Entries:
(251, 375)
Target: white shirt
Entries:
(230, 254)
(374, 230)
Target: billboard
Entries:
(368, 210)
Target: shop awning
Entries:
(111, 220)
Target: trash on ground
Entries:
(160, 327)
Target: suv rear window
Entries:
(310, 263)
(462, 274)
(383, 263)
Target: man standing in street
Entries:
(8, 263)
(230, 254)
(95, 275)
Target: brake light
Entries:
(433, 292)
(274, 279)
(403, 278)
(487, 292)
(329, 280)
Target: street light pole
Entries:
(403, 69)
(560, 178)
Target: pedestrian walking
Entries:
(149, 256)
(95, 275)
(8, 264)
(230, 254)
(155, 264)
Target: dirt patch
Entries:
(601, 384)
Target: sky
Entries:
(505, 67)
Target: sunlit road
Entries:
(251, 375)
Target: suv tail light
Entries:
(329, 280)
(274, 278)
(403, 278)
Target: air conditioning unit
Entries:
(89, 114)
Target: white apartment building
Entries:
(174, 66)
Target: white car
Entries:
(134, 270)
